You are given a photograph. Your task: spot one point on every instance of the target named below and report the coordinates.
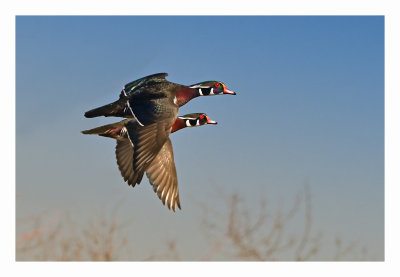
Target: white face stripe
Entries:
(175, 101)
(201, 92)
(184, 118)
(188, 124)
(199, 86)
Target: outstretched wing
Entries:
(151, 99)
(124, 155)
(130, 87)
(141, 88)
(112, 130)
(162, 176)
(151, 111)
(161, 172)
(147, 141)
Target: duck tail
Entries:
(110, 130)
(113, 109)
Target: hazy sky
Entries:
(309, 110)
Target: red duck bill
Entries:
(209, 121)
(227, 91)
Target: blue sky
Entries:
(309, 110)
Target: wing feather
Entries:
(124, 155)
(162, 175)
(136, 155)
(147, 142)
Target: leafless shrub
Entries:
(58, 238)
(234, 233)
(169, 254)
(241, 234)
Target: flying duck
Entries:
(153, 102)
(145, 98)
(161, 172)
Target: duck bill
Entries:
(209, 121)
(227, 91)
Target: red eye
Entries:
(217, 85)
(201, 116)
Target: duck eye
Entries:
(201, 116)
(217, 85)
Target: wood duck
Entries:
(153, 102)
(153, 97)
(161, 172)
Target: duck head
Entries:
(212, 88)
(191, 120)
(196, 119)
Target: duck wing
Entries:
(112, 130)
(161, 172)
(141, 90)
(162, 176)
(147, 142)
(131, 86)
(124, 155)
